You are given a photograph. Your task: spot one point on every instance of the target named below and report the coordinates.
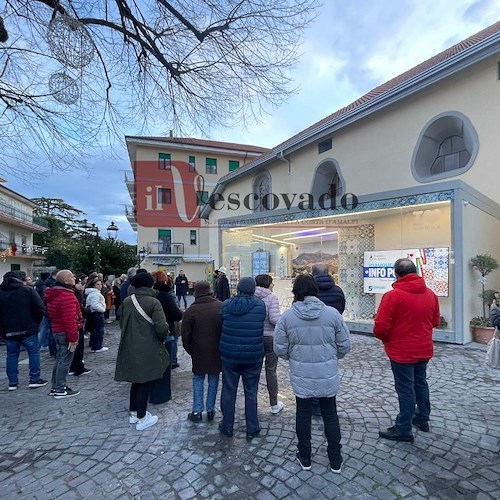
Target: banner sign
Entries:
(431, 263)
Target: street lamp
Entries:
(112, 231)
(93, 230)
(141, 256)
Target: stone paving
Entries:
(84, 447)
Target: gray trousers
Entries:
(63, 360)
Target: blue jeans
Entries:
(410, 381)
(174, 347)
(328, 408)
(250, 374)
(13, 347)
(63, 359)
(96, 330)
(45, 336)
(198, 386)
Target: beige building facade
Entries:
(170, 181)
(409, 169)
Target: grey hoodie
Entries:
(312, 336)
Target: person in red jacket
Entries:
(404, 323)
(65, 317)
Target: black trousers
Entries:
(332, 427)
(77, 361)
(139, 396)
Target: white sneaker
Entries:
(146, 422)
(277, 408)
(132, 419)
(102, 349)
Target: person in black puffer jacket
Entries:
(21, 310)
(242, 352)
(329, 293)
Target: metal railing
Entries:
(162, 248)
(7, 209)
(22, 250)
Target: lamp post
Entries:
(141, 255)
(93, 230)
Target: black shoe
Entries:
(174, 366)
(423, 425)
(305, 464)
(39, 383)
(394, 435)
(336, 467)
(67, 392)
(194, 417)
(210, 415)
(251, 435)
(225, 432)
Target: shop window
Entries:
(211, 165)
(164, 161)
(447, 147)
(192, 164)
(165, 196)
(233, 165)
(261, 188)
(192, 236)
(325, 145)
(328, 183)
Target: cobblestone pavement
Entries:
(84, 446)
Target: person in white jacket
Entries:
(264, 291)
(96, 302)
(313, 336)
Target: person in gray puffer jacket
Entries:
(313, 336)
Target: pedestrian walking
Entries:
(201, 332)
(181, 288)
(313, 336)
(242, 352)
(142, 356)
(264, 291)
(404, 323)
(21, 311)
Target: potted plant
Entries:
(482, 329)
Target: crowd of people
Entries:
(234, 336)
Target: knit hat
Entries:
(142, 280)
(222, 269)
(246, 286)
(202, 288)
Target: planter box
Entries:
(483, 334)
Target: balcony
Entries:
(163, 248)
(13, 215)
(130, 183)
(22, 250)
(130, 214)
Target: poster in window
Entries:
(260, 263)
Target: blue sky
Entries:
(350, 48)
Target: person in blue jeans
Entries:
(242, 352)
(21, 310)
(201, 331)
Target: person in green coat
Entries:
(142, 356)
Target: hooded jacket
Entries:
(64, 311)
(21, 309)
(273, 313)
(242, 339)
(405, 319)
(330, 293)
(95, 300)
(312, 336)
(142, 356)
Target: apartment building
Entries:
(171, 180)
(17, 226)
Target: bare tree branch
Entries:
(128, 66)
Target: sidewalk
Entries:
(84, 447)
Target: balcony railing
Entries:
(22, 250)
(162, 248)
(7, 209)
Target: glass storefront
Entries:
(359, 249)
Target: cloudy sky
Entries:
(350, 48)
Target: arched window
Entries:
(446, 147)
(261, 188)
(328, 183)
